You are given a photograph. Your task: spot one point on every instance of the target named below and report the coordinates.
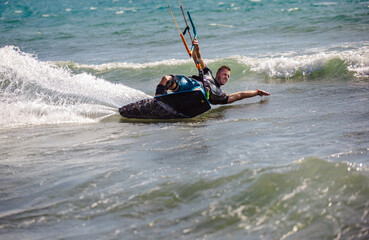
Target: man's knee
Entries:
(165, 79)
(167, 83)
(162, 87)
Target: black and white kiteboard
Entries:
(185, 104)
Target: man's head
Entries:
(223, 74)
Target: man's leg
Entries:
(167, 83)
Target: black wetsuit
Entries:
(216, 95)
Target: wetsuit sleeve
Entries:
(220, 98)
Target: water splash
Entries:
(33, 92)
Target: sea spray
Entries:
(35, 92)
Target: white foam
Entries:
(287, 65)
(33, 92)
(325, 3)
(358, 61)
(220, 25)
(127, 65)
(279, 65)
(293, 9)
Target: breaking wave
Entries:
(316, 63)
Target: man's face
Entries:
(222, 76)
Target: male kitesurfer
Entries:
(211, 85)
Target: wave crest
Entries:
(291, 65)
(315, 64)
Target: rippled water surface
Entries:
(290, 166)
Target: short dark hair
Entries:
(224, 67)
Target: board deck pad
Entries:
(186, 104)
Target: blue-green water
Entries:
(290, 166)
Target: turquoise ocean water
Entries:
(294, 165)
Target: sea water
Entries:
(290, 166)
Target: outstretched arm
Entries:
(196, 55)
(246, 94)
